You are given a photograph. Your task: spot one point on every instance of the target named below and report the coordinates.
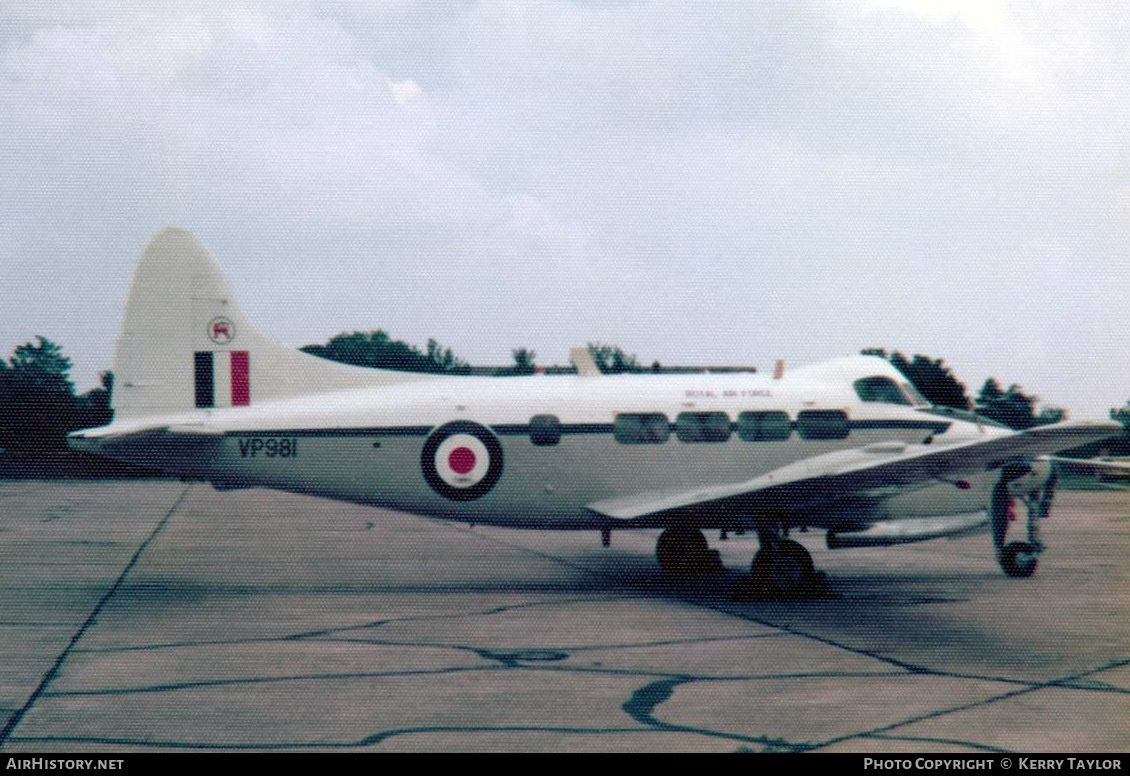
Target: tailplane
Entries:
(186, 344)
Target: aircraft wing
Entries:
(866, 473)
(1090, 463)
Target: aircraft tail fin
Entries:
(185, 343)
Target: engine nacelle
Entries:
(888, 532)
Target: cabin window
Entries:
(702, 427)
(764, 426)
(545, 430)
(641, 429)
(881, 390)
(822, 424)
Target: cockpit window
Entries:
(882, 390)
(917, 398)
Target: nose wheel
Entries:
(1019, 559)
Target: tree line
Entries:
(378, 350)
(933, 378)
(39, 406)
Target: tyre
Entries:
(682, 551)
(1019, 559)
(787, 571)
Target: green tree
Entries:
(441, 359)
(42, 366)
(991, 391)
(611, 360)
(92, 409)
(930, 376)
(1117, 446)
(1122, 415)
(377, 350)
(37, 401)
(1050, 415)
(524, 362)
(1013, 407)
(7, 403)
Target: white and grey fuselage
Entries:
(201, 392)
(561, 443)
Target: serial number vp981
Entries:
(268, 447)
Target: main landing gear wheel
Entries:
(1019, 559)
(684, 551)
(784, 568)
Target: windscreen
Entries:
(881, 390)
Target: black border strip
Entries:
(386, 431)
(924, 425)
(523, 429)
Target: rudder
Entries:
(186, 345)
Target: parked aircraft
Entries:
(846, 446)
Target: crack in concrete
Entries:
(320, 635)
(254, 680)
(645, 700)
(1036, 687)
(1025, 687)
(518, 659)
(932, 740)
(1094, 687)
(374, 739)
(642, 706)
(454, 615)
(45, 682)
(715, 607)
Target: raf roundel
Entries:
(462, 460)
(221, 331)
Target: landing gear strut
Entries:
(1019, 559)
(684, 551)
(783, 567)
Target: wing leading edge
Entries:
(865, 473)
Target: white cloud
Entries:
(726, 182)
(989, 23)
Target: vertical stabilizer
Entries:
(185, 343)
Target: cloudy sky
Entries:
(709, 182)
